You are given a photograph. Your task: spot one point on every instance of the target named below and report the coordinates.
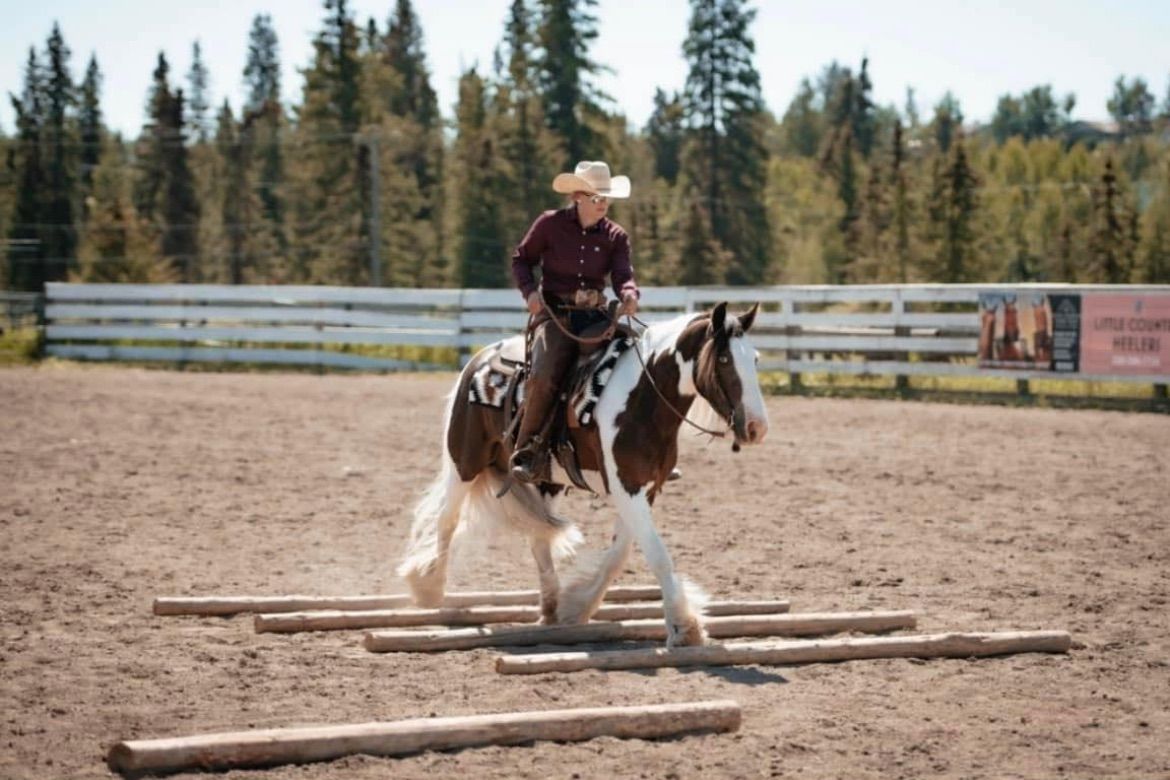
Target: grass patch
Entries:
(19, 346)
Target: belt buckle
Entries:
(585, 298)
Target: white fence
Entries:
(889, 330)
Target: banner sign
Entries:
(1015, 330)
(1091, 333)
(1125, 334)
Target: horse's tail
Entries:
(436, 518)
(451, 506)
(522, 509)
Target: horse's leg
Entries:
(591, 577)
(683, 624)
(542, 552)
(424, 567)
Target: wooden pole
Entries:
(271, 747)
(219, 606)
(797, 652)
(333, 620)
(806, 624)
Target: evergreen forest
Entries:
(357, 176)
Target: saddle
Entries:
(500, 383)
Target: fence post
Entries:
(39, 314)
(794, 383)
(898, 308)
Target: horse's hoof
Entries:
(689, 634)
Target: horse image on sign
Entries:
(698, 366)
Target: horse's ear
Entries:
(747, 318)
(718, 318)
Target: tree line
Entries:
(362, 181)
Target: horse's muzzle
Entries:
(747, 431)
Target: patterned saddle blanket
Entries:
(490, 383)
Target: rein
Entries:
(669, 405)
(609, 331)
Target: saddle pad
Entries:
(489, 387)
(584, 401)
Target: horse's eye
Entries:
(723, 358)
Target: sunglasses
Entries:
(597, 199)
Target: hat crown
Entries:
(595, 172)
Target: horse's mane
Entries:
(665, 335)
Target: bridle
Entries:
(605, 336)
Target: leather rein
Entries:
(608, 334)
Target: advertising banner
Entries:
(1125, 334)
(1024, 330)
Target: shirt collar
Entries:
(571, 212)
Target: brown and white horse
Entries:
(703, 365)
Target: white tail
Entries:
(451, 507)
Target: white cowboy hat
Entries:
(593, 177)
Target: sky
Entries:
(977, 50)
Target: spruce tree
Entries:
(726, 159)
(482, 247)
(90, 127)
(947, 122)
(952, 213)
(264, 123)
(27, 269)
(58, 215)
(412, 99)
(566, 30)
(902, 214)
(1110, 244)
(664, 132)
(331, 217)
(117, 246)
(804, 123)
(529, 151)
(199, 100)
(862, 114)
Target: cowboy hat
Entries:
(593, 177)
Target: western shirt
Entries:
(572, 257)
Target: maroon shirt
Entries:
(573, 258)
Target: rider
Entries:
(575, 247)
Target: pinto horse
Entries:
(698, 366)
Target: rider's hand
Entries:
(630, 304)
(534, 304)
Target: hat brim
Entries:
(568, 183)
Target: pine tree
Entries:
(862, 117)
(726, 156)
(529, 151)
(702, 258)
(58, 215)
(803, 123)
(264, 123)
(1110, 244)
(414, 96)
(952, 213)
(902, 214)
(664, 132)
(947, 122)
(566, 30)
(91, 130)
(117, 246)
(199, 102)
(331, 172)
(166, 195)
(27, 267)
(413, 99)
(482, 247)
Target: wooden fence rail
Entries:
(882, 330)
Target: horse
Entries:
(700, 367)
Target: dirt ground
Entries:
(120, 484)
